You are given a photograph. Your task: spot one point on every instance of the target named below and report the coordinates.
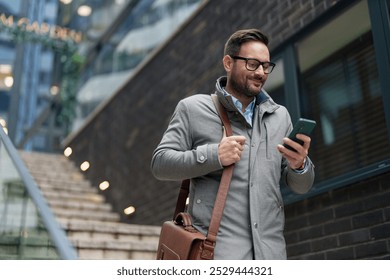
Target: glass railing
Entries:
(28, 229)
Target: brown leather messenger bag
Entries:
(179, 240)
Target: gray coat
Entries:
(253, 221)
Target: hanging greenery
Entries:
(70, 76)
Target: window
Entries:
(340, 89)
(343, 95)
(127, 43)
(274, 85)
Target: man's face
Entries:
(242, 82)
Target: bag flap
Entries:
(176, 241)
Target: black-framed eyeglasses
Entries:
(252, 64)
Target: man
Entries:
(195, 146)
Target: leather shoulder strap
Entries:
(181, 199)
(225, 179)
(222, 114)
(223, 189)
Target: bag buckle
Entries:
(208, 250)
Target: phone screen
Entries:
(303, 126)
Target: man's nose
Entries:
(260, 70)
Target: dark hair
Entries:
(233, 44)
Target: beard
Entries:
(244, 89)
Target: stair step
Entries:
(87, 215)
(89, 197)
(54, 182)
(109, 254)
(33, 254)
(82, 211)
(68, 186)
(79, 205)
(139, 232)
(50, 162)
(115, 250)
(115, 245)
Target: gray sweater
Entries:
(253, 221)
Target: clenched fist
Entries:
(230, 149)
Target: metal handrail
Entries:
(57, 234)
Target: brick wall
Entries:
(348, 223)
(120, 138)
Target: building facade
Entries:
(333, 64)
(59, 59)
(26, 70)
(118, 36)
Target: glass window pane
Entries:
(341, 91)
(146, 27)
(23, 235)
(343, 94)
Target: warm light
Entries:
(129, 210)
(5, 68)
(3, 124)
(104, 185)
(54, 90)
(68, 151)
(9, 81)
(66, 2)
(84, 166)
(84, 10)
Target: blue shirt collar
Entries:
(248, 114)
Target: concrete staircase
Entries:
(91, 225)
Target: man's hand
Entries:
(296, 159)
(230, 149)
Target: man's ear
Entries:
(227, 63)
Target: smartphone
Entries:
(303, 126)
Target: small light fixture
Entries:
(84, 11)
(9, 81)
(66, 2)
(104, 185)
(3, 123)
(129, 210)
(84, 166)
(54, 90)
(68, 151)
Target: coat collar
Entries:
(263, 98)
